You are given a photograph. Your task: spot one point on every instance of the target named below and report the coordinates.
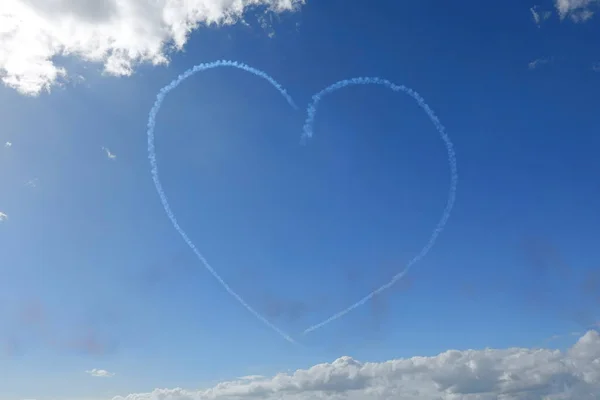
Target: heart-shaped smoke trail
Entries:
(163, 198)
(308, 133)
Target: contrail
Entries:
(163, 198)
(308, 133)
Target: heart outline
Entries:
(154, 171)
(307, 134)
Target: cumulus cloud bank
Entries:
(117, 33)
(509, 374)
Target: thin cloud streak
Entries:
(539, 15)
(537, 63)
(110, 155)
(100, 373)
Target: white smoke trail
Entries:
(152, 156)
(308, 133)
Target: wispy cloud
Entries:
(8, 144)
(539, 62)
(539, 16)
(513, 373)
(32, 183)
(581, 15)
(251, 378)
(100, 373)
(266, 23)
(596, 67)
(3, 217)
(563, 336)
(118, 34)
(109, 154)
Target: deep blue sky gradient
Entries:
(303, 231)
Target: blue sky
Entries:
(93, 275)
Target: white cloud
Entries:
(3, 217)
(117, 33)
(109, 154)
(539, 15)
(509, 374)
(8, 144)
(538, 63)
(32, 183)
(100, 373)
(577, 10)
